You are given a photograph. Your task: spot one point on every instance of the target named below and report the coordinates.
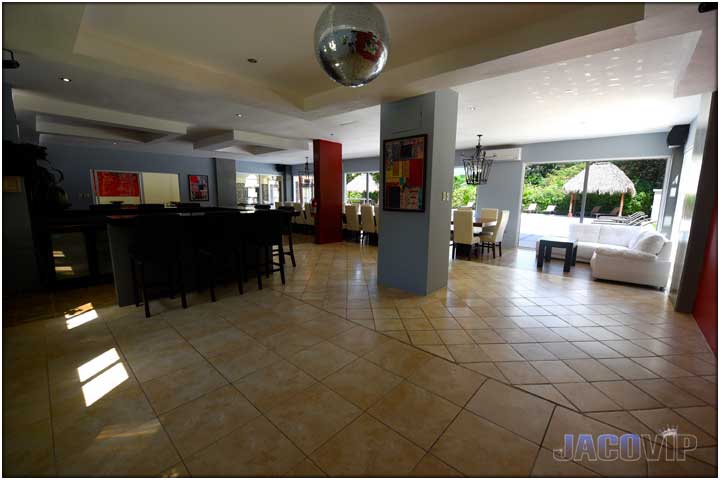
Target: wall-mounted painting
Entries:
(404, 174)
(199, 188)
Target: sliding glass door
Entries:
(362, 187)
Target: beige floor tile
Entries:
(533, 351)
(703, 417)
(274, 383)
(556, 371)
(468, 353)
(662, 367)
(359, 340)
(565, 422)
(708, 455)
(367, 448)
(389, 324)
(448, 380)
(398, 335)
(455, 337)
(237, 364)
(174, 389)
(689, 467)
(520, 373)
(592, 370)
(438, 350)
(28, 451)
(564, 350)
(432, 467)
(547, 466)
(420, 323)
(290, 341)
(501, 353)
(221, 341)
(385, 313)
(444, 323)
(156, 363)
(415, 413)
(322, 359)
(176, 471)
(424, 337)
(622, 420)
(477, 448)
(362, 383)
(586, 397)
(627, 395)
(548, 392)
(628, 369)
(200, 422)
(305, 469)
(398, 358)
(513, 409)
(661, 418)
(667, 393)
(488, 369)
(311, 417)
(256, 450)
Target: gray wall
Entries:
(413, 246)
(77, 161)
(504, 192)
(19, 263)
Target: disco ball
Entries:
(352, 42)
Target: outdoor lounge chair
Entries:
(633, 219)
(532, 208)
(550, 209)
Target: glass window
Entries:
(303, 188)
(253, 188)
(362, 187)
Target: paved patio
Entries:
(536, 225)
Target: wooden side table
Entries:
(546, 244)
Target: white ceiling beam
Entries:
(238, 138)
(45, 105)
(83, 131)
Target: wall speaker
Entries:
(677, 136)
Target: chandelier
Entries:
(307, 173)
(477, 167)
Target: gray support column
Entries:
(225, 177)
(413, 247)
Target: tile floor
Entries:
(331, 375)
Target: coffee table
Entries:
(546, 244)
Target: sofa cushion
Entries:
(584, 232)
(617, 235)
(586, 249)
(626, 253)
(650, 243)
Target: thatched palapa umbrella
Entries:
(603, 178)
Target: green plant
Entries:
(462, 193)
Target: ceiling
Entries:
(172, 77)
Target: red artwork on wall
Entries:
(117, 184)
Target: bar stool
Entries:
(157, 241)
(288, 231)
(223, 240)
(263, 232)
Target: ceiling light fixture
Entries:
(66, 79)
(478, 166)
(252, 60)
(239, 115)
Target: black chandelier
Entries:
(477, 167)
(307, 173)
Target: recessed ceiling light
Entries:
(66, 79)
(588, 74)
(239, 115)
(562, 64)
(615, 58)
(252, 60)
(114, 143)
(472, 109)
(614, 85)
(588, 56)
(616, 49)
(613, 79)
(569, 91)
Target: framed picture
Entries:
(199, 188)
(403, 174)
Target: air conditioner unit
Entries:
(505, 154)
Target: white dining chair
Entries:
(464, 233)
(492, 236)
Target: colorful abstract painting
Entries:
(404, 174)
(198, 188)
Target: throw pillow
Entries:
(652, 244)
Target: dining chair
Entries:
(309, 217)
(493, 235)
(351, 221)
(299, 219)
(222, 244)
(367, 222)
(463, 233)
(488, 215)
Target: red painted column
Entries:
(327, 166)
(705, 309)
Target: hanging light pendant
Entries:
(351, 42)
(477, 167)
(307, 173)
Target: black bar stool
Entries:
(223, 240)
(157, 240)
(287, 230)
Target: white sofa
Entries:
(622, 253)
